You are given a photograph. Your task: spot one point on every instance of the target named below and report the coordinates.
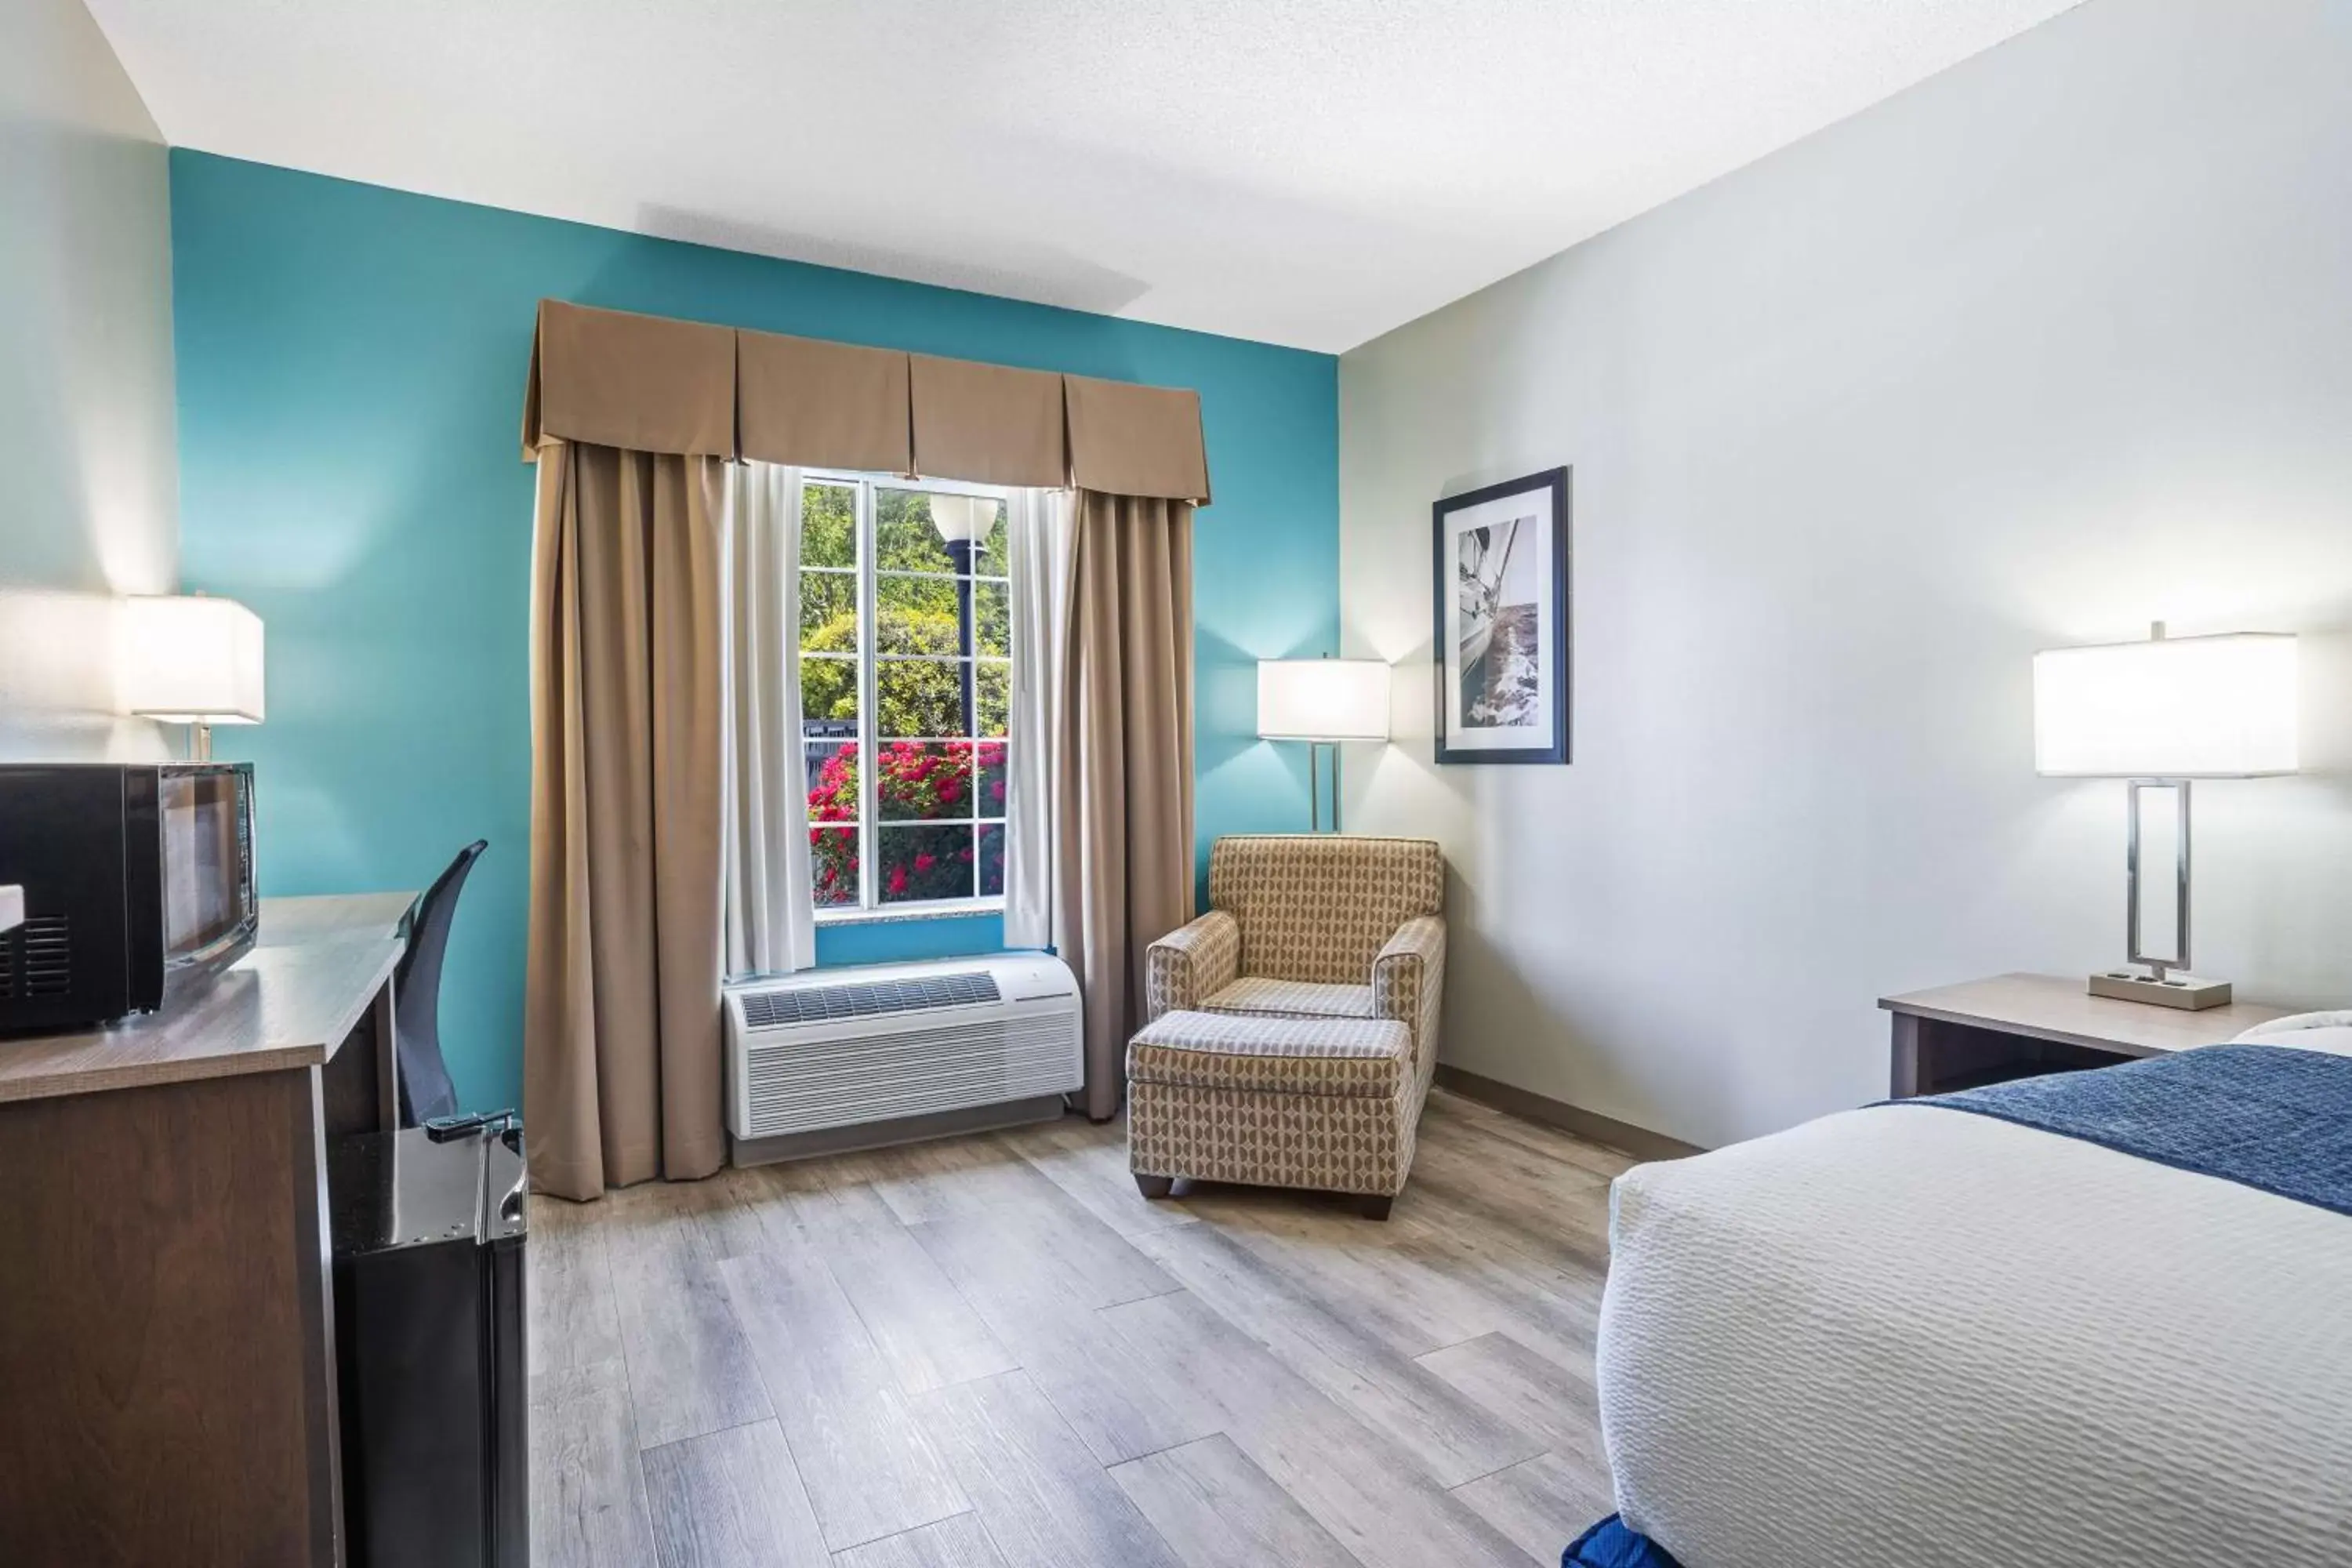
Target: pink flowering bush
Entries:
(926, 792)
(832, 850)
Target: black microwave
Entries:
(137, 880)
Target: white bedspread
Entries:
(1906, 1337)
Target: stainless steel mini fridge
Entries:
(428, 1230)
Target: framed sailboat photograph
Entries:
(1503, 611)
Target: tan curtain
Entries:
(621, 1032)
(1124, 862)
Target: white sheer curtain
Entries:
(771, 923)
(1038, 546)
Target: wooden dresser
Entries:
(167, 1370)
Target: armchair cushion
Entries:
(1359, 1058)
(1192, 963)
(1255, 998)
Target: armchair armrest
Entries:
(1192, 964)
(1409, 983)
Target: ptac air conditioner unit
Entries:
(842, 1059)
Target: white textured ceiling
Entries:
(1304, 172)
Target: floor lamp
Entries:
(1322, 701)
(2160, 713)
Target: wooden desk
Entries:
(167, 1373)
(2014, 1026)
(293, 922)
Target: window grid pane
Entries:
(926, 862)
(834, 867)
(829, 531)
(828, 610)
(925, 780)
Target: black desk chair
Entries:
(426, 1090)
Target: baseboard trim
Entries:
(1541, 1109)
(883, 1135)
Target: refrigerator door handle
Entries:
(510, 1207)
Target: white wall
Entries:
(2052, 344)
(89, 475)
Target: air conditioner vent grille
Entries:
(867, 999)
(803, 1087)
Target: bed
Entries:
(1911, 1335)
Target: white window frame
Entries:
(869, 907)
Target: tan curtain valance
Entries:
(650, 384)
(644, 383)
(989, 423)
(823, 405)
(1130, 440)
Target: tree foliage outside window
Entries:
(932, 822)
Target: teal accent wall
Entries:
(351, 364)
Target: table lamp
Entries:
(190, 660)
(2161, 713)
(1322, 701)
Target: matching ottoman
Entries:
(1324, 1103)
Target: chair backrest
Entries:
(1319, 907)
(426, 1090)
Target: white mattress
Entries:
(1906, 1336)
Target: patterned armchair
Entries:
(1293, 1029)
(1314, 926)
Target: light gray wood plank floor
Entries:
(732, 1496)
(991, 1351)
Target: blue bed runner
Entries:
(2268, 1117)
(1610, 1544)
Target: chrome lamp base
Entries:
(2190, 993)
(2166, 983)
(1315, 786)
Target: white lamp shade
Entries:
(1322, 699)
(190, 660)
(2218, 706)
(962, 519)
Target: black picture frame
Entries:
(1453, 743)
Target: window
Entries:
(906, 687)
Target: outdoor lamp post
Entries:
(963, 522)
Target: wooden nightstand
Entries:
(2016, 1026)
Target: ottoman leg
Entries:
(1374, 1206)
(1155, 1186)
